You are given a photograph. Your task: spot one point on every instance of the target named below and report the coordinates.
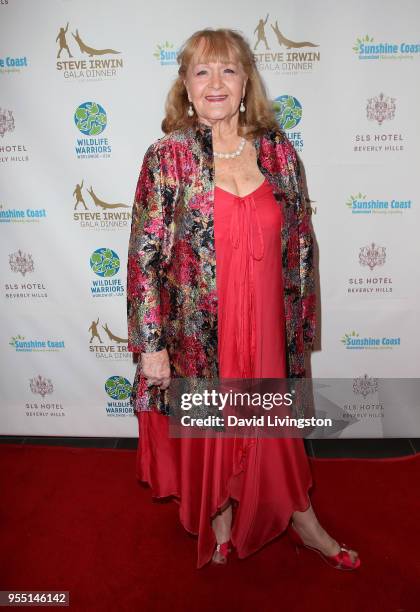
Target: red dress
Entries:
(268, 477)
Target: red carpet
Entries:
(78, 520)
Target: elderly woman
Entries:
(220, 284)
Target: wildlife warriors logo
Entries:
(7, 122)
(372, 256)
(114, 347)
(380, 108)
(280, 54)
(288, 112)
(118, 387)
(90, 118)
(103, 215)
(87, 61)
(118, 390)
(105, 263)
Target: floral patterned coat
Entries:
(171, 271)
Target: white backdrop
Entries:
(350, 81)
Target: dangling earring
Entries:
(242, 106)
(190, 111)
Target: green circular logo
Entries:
(288, 111)
(118, 387)
(104, 262)
(90, 118)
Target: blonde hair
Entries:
(219, 45)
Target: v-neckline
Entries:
(242, 197)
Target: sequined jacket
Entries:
(171, 270)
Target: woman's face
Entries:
(215, 89)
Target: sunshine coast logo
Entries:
(379, 109)
(118, 389)
(104, 216)
(353, 340)
(91, 120)
(10, 152)
(366, 48)
(360, 204)
(40, 385)
(26, 345)
(9, 64)
(166, 54)
(89, 62)
(373, 283)
(285, 56)
(22, 215)
(105, 263)
(288, 111)
(104, 343)
(23, 264)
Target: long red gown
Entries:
(268, 477)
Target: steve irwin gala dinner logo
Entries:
(92, 211)
(81, 58)
(278, 53)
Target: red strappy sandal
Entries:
(341, 560)
(222, 552)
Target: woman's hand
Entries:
(156, 368)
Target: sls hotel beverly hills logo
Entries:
(380, 110)
(79, 61)
(374, 283)
(104, 215)
(275, 53)
(91, 120)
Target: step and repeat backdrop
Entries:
(83, 86)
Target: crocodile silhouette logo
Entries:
(61, 39)
(281, 39)
(91, 51)
(290, 44)
(103, 204)
(78, 194)
(95, 334)
(112, 336)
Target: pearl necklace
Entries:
(231, 155)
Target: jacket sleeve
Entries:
(306, 251)
(144, 321)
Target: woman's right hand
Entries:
(156, 368)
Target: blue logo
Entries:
(367, 49)
(166, 54)
(288, 111)
(105, 262)
(118, 388)
(90, 118)
(353, 340)
(360, 204)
